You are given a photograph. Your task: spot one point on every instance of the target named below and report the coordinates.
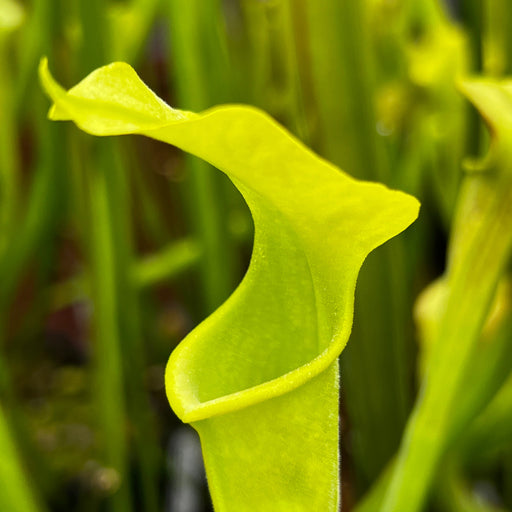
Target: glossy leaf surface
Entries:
(258, 379)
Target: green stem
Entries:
(33, 229)
(376, 364)
(498, 54)
(15, 494)
(472, 14)
(499, 63)
(130, 331)
(120, 356)
(196, 48)
(108, 365)
(152, 215)
(275, 78)
(375, 368)
(129, 38)
(45, 205)
(9, 166)
(506, 22)
(485, 374)
(93, 19)
(109, 390)
(296, 82)
(32, 45)
(45, 199)
(479, 252)
(340, 42)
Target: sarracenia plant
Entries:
(258, 379)
(479, 251)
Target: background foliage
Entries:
(112, 250)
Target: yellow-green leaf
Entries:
(258, 379)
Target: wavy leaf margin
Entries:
(259, 377)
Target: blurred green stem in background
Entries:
(479, 250)
(339, 42)
(119, 353)
(497, 62)
(472, 14)
(15, 494)
(200, 68)
(376, 376)
(30, 224)
(130, 25)
(95, 165)
(9, 165)
(486, 375)
(109, 389)
(497, 58)
(275, 79)
(44, 203)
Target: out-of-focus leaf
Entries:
(15, 493)
(12, 15)
(480, 249)
(429, 308)
(259, 378)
